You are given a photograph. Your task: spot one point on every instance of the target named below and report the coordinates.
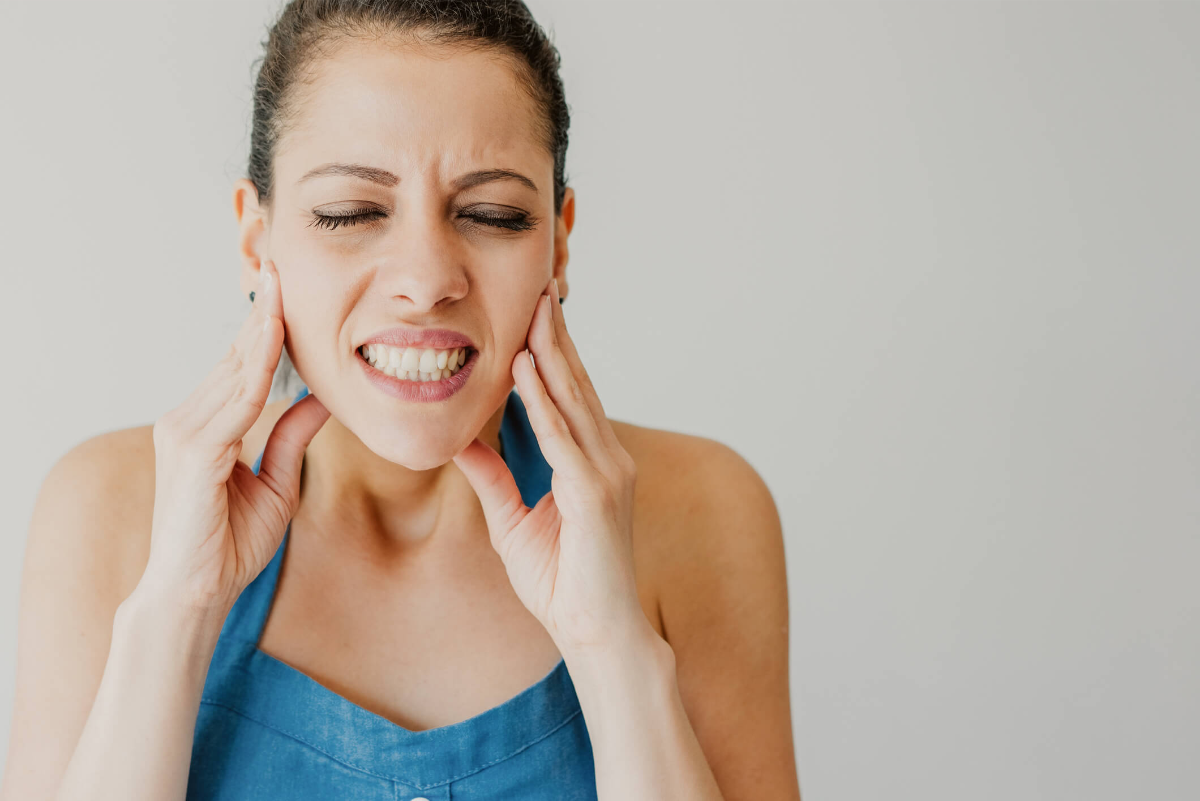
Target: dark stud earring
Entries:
(251, 295)
(560, 301)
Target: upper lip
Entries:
(437, 338)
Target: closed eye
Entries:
(517, 222)
(513, 222)
(332, 221)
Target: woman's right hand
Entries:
(216, 524)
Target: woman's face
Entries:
(424, 256)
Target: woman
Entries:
(439, 570)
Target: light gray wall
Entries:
(931, 268)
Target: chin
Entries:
(415, 451)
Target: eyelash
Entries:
(331, 221)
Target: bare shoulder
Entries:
(678, 472)
(685, 484)
(98, 498)
(657, 448)
(101, 491)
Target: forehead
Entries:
(413, 107)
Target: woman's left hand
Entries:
(570, 557)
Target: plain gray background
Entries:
(932, 268)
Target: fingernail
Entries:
(555, 282)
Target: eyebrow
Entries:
(385, 178)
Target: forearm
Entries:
(643, 744)
(136, 744)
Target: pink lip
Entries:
(436, 338)
(419, 391)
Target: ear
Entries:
(252, 225)
(563, 224)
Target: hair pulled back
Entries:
(307, 30)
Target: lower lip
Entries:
(420, 391)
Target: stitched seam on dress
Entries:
(392, 779)
(513, 754)
(298, 739)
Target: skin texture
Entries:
(390, 536)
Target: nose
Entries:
(423, 264)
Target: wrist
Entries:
(167, 618)
(153, 590)
(632, 676)
(635, 646)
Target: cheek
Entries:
(530, 271)
(511, 292)
(315, 299)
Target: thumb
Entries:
(493, 482)
(284, 451)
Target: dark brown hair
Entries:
(307, 30)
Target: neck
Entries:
(358, 501)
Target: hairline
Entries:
(335, 35)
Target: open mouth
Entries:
(415, 364)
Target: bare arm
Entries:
(137, 743)
(107, 686)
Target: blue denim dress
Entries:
(265, 730)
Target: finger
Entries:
(247, 390)
(560, 383)
(493, 482)
(219, 385)
(559, 448)
(584, 381)
(273, 305)
(283, 454)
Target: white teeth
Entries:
(416, 364)
(428, 360)
(411, 360)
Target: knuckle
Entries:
(238, 393)
(629, 466)
(234, 359)
(603, 495)
(559, 429)
(256, 405)
(244, 395)
(212, 448)
(577, 393)
(166, 428)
